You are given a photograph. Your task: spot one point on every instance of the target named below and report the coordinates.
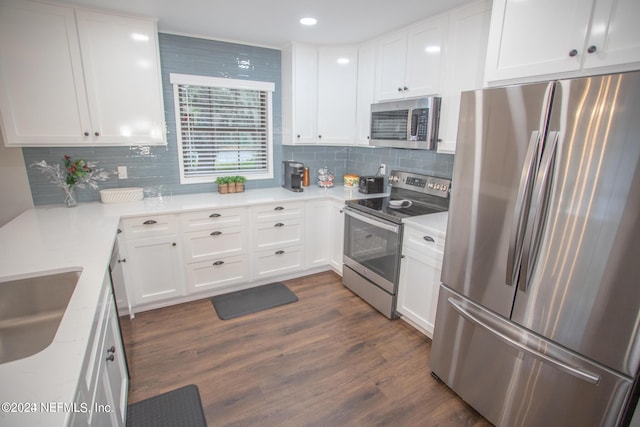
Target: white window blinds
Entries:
(224, 127)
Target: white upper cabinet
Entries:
(615, 34)
(551, 37)
(319, 94)
(365, 95)
(410, 61)
(73, 77)
(122, 75)
(464, 65)
(337, 81)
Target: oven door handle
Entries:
(380, 223)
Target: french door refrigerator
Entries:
(538, 314)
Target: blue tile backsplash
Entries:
(156, 168)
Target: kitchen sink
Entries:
(30, 312)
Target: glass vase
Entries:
(70, 198)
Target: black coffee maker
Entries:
(292, 174)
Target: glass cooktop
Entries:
(394, 209)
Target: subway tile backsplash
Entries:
(156, 168)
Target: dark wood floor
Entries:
(327, 360)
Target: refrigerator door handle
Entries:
(514, 256)
(475, 318)
(542, 189)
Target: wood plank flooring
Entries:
(327, 360)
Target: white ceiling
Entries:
(273, 23)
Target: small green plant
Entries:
(222, 180)
(239, 179)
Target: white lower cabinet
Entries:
(101, 399)
(318, 233)
(420, 278)
(217, 273)
(272, 262)
(336, 235)
(154, 263)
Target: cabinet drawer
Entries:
(217, 272)
(149, 226)
(420, 240)
(277, 233)
(277, 211)
(212, 219)
(280, 261)
(223, 242)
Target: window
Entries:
(224, 127)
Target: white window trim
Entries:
(269, 87)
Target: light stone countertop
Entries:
(55, 238)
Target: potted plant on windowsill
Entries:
(239, 181)
(223, 184)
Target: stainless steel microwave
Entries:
(411, 123)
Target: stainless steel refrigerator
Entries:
(538, 314)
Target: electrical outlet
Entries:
(122, 172)
(383, 169)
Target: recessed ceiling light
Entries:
(308, 21)
(343, 61)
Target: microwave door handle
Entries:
(412, 125)
(370, 221)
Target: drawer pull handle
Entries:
(279, 224)
(278, 208)
(279, 252)
(150, 222)
(122, 260)
(215, 215)
(111, 349)
(218, 263)
(216, 233)
(428, 239)
(110, 358)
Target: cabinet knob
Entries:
(399, 89)
(573, 52)
(218, 263)
(174, 244)
(428, 239)
(216, 233)
(150, 222)
(405, 88)
(96, 133)
(279, 252)
(110, 358)
(592, 49)
(298, 136)
(319, 136)
(111, 349)
(86, 134)
(278, 224)
(122, 260)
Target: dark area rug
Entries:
(180, 407)
(247, 301)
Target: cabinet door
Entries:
(337, 76)
(464, 65)
(365, 92)
(390, 70)
(424, 57)
(615, 34)
(116, 368)
(418, 289)
(155, 268)
(536, 38)
(337, 236)
(42, 95)
(120, 59)
(318, 233)
(305, 95)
